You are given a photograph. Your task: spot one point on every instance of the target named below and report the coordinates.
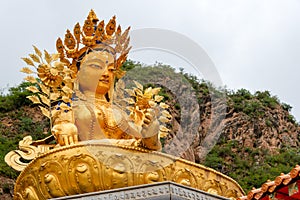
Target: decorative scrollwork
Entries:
(28, 150)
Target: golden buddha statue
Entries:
(94, 57)
(95, 115)
(98, 144)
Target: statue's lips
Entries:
(104, 81)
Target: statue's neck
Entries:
(92, 96)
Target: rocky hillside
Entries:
(260, 139)
(250, 137)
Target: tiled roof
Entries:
(280, 188)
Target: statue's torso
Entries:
(100, 122)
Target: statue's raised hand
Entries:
(150, 130)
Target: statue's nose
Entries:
(105, 73)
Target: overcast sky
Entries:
(254, 44)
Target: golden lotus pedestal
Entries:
(100, 165)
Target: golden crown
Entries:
(90, 35)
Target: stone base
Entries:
(157, 191)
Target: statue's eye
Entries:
(96, 66)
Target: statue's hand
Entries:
(65, 133)
(150, 125)
(150, 131)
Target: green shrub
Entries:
(247, 170)
(286, 107)
(15, 98)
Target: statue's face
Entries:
(96, 72)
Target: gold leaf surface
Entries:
(163, 134)
(45, 99)
(156, 90)
(129, 100)
(66, 99)
(44, 89)
(138, 85)
(166, 114)
(130, 92)
(163, 119)
(55, 56)
(158, 98)
(37, 51)
(26, 70)
(30, 79)
(34, 99)
(55, 113)
(163, 105)
(54, 96)
(163, 129)
(59, 66)
(148, 91)
(35, 58)
(64, 106)
(28, 61)
(67, 90)
(32, 89)
(47, 57)
(45, 111)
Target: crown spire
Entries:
(92, 15)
